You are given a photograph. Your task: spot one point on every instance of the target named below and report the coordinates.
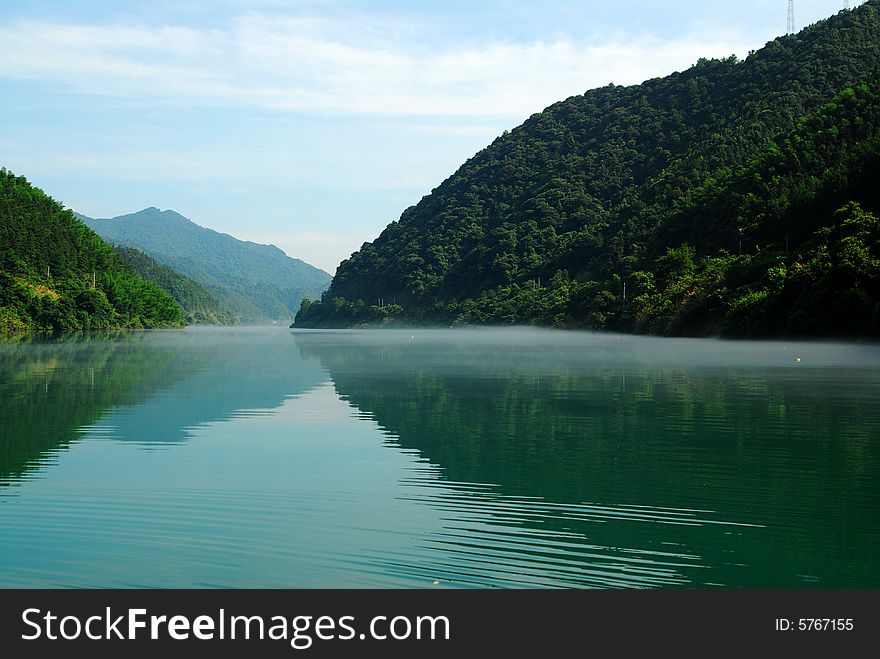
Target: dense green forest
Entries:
(737, 198)
(198, 305)
(254, 283)
(56, 274)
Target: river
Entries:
(514, 458)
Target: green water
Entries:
(472, 458)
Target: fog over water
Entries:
(518, 457)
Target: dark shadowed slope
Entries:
(708, 201)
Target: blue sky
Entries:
(311, 124)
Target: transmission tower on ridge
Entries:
(791, 26)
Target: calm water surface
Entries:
(476, 458)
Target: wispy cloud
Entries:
(280, 63)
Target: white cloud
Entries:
(305, 65)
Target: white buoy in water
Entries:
(797, 360)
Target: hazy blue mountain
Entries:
(257, 283)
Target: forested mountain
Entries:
(57, 274)
(197, 304)
(736, 197)
(255, 283)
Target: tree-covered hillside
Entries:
(256, 283)
(736, 197)
(198, 305)
(56, 274)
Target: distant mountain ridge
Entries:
(256, 283)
